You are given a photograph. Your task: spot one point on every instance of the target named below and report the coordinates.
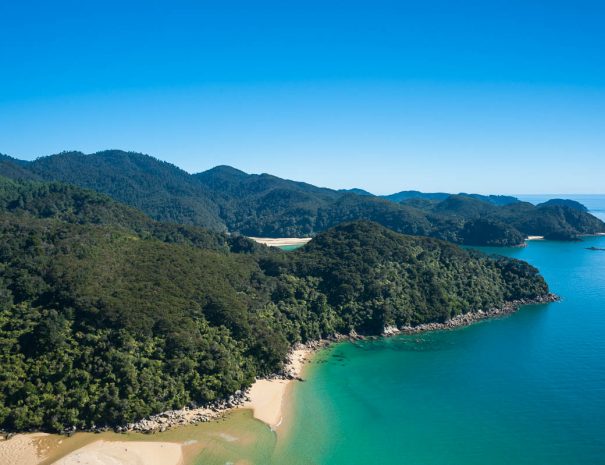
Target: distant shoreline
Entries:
(300, 241)
(281, 241)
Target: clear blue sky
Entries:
(483, 96)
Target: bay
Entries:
(525, 389)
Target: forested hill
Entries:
(16, 169)
(565, 202)
(103, 322)
(23, 200)
(485, 222)
(159, 189)
(227, 199)
(410, 195)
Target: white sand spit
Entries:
(125, 453)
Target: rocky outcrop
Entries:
(471, 317)
(185, 416)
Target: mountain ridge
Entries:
(227, 199)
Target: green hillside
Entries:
(104, 321)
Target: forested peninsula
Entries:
(108, 316)
(226, 199)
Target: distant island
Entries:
(227, 199)
(410, 195)
(566, 203)
(108, 316)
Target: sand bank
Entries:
(281, 241)
(21, 449)
(125, 453)
(267, 395)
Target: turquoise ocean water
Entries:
(524, 389)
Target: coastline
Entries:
(469, 318)
(266, 398)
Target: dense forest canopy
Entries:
(71, 204)
(107, 316)
(411, 195)
(157, 188)
(227, 199)
(565, 202)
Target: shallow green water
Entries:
(236, 439)
(289, 248)
(525, 389)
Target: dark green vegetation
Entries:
(472, 221)
(409, 195)
(225, 198)
(13, 168)
(157, 188)
(74, 205)
(356, 191)
(107, 316)
(567, 203)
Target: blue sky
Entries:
(491, 97)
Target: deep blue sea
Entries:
(524, 389)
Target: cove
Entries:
(524, 389)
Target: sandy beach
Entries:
(267, 395)
(125, 453)
(21, 449)
(281, 241)
(534, 238)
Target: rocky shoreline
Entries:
(162, 421)
(193, 414)
(472, 317)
